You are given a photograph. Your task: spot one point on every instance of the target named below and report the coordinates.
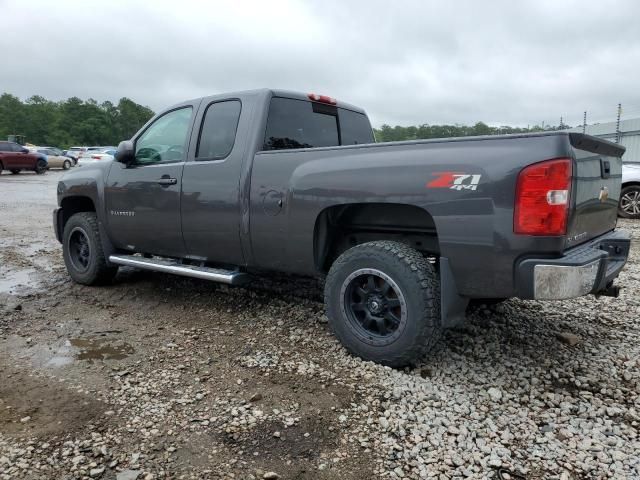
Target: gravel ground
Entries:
(166, 377)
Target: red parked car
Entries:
(15, 157)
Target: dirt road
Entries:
(165, 377)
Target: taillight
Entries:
(542, 198)
(96, 157)
(322, 98)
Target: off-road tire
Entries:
(628, 190)
(419, 284)
(66, 165)
(98, 271)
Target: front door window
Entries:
(165, 140)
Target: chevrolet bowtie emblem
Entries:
(604, 194)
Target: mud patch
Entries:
(40, 407)
(306, 440)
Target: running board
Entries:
(232, 277)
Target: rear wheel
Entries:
(41, 167)
(66, 165)
(383, 302)
(629, 205)
(83, 253)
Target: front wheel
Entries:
(383, 302)
(82, 251)
(629, 205)
(41, 167)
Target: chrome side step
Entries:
(231, 277)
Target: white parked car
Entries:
(629, 206)
(96, 154)
(75, 152)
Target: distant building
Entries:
(629, 136)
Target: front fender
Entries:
(86, 182)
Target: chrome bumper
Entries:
(557, 282)
(588, 268)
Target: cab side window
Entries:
(218, 132)
(165, 140)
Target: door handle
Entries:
(167, 181)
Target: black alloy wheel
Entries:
(375, 306)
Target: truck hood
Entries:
(84, 181)
(88, 170)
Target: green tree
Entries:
(71, 122)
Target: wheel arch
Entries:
(73, 204)
(69, 206)
(343, 226)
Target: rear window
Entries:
(294, 124)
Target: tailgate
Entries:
(596, 187)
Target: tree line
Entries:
(87, 122)
(70, 122)
(387, 133)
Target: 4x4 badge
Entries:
(455, 181)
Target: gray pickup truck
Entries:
(406, 233)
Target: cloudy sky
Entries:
(405, 62)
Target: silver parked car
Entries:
(55, 158)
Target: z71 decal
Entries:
(455, 181)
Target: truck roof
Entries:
(278, 93)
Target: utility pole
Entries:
(584, 123)
(618, 123)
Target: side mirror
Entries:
(25, 150)
(125, 153)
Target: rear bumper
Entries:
(588, 268)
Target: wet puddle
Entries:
(16, 281)
(94, 349)
(89, 349)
